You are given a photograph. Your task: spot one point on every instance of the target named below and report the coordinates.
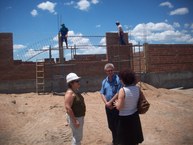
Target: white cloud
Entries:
(79, 41)
(55, 38)
(19, 46)
(46, 47)
(83, 45)
(49, 6)
(180, 11)
(168, 4)
(176, 24)
(83, 5)
(31, 53)
(160, 33)
(152, 27)
(94, 1)
(134, 42)
(103, 41)
(34, 13)
(93, 50)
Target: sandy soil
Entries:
(31, 119)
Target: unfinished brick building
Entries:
(160, 65)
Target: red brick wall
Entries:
(139, 62)
(22, 71)
(119, 55)
(83, 68)
(6, 49)
(115, 50)
(90, 57)
(155, 58)
(169, 57)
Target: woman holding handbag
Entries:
(129, 127)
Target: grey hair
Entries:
(109, 65)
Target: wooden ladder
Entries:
(40, 78)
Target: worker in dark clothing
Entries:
(64, 34)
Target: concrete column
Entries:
(61, 49)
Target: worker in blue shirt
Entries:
(109, 93)
(64, 34)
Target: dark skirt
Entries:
(130, 130)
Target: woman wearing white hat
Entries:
(75, 108)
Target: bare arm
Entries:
(103, 98)
(120, 101)
(109, 104)
(114, 98)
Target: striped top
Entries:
(131, 100)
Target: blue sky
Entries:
(35, 23)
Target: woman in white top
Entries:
(129, 128)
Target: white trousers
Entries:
(77, 133)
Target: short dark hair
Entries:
(127, 76)
(117, 23)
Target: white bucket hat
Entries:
(71, 77)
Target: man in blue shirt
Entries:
(64, 34)
(109, 93)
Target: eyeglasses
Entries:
(77, 81)
(110, 70)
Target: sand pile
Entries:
(31, 119)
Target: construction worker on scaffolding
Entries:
(120, 33)
(64, 34)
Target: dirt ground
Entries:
(31, 119)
